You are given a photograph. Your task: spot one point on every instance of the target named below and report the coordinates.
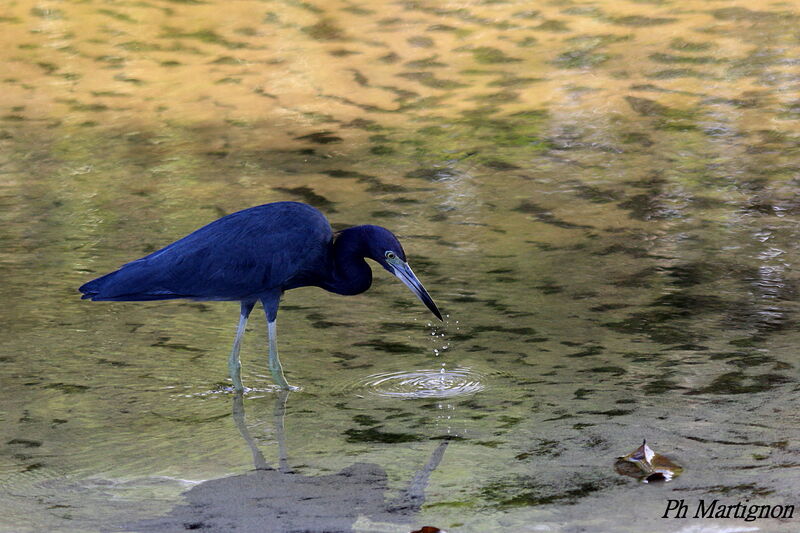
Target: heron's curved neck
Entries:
(350, 273)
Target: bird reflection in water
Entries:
(277, 499)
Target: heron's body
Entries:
(243, 256)
(257, 254)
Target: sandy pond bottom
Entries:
(602, 198)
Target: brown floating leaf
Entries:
(429, 529)
(646, 465)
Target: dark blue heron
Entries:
(257, 254)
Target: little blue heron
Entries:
(257, 254)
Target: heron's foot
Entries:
(237, 384)
(241, 389)
(281, 382)
(277, 374)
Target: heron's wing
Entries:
(237, 257)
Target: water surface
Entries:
(601, 196)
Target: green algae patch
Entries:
(325, 30)
(376, 435)
(741, 383)
(204, 36)
(488, 55)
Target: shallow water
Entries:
(601, 196)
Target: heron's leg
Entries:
(234, 365)
(275, 368)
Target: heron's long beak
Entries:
(406, 275)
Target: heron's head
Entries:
(384, 248)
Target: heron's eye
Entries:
(390, 255)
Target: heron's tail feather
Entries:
(94, 288)
(130, 283)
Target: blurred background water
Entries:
(602, 196)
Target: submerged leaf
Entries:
(646, 465)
